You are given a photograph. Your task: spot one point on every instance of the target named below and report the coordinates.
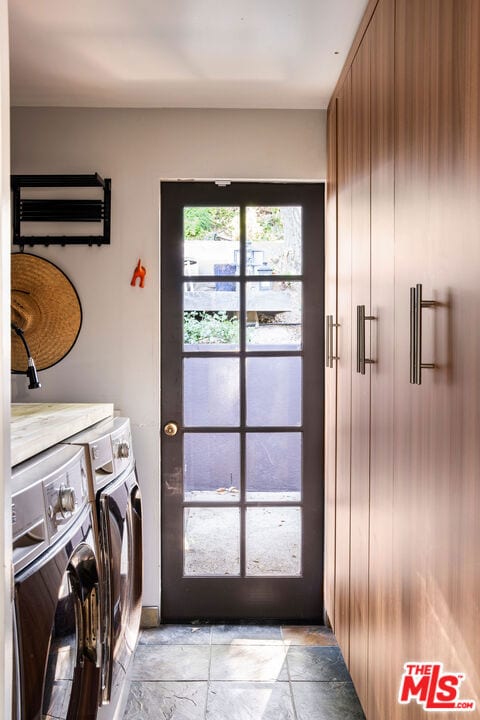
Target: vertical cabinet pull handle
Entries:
(361, 359)
(330, 341)
(328, 319)
(361, 339)
(329, 356)
(417, 303)
(413, 335)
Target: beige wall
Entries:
(6, 515)
(117, 354)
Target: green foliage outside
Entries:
(264, 224)
(209, 328)
(203, 223)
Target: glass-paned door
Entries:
(242, 401)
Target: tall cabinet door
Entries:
(382, 675)
(344, 375)
(437, 423)
(360, 440)
(330, 364)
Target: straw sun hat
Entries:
(45, 305)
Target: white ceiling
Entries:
(179, 53)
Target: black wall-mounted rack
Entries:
(58, 210)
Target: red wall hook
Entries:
(140, 273)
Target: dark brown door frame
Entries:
(234, 598)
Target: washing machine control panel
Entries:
(65, 495)
(122, 447)
(67, 499)
(101, 454)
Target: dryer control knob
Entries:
(67, 499)
(123, 450)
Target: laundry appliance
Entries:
(115, 498)
(56, 649)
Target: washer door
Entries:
(57, 614)
(121, 524)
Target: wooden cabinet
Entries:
(360, 408)
(383, 677)
(437, 462)
(404, 489)
(330, 364)
(344, 365)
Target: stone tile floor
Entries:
(240, 672)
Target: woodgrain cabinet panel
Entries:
(344, 367)
(437, 463)
(331, 364)
(360, 414)
(383, 678)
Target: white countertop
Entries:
(37, 426)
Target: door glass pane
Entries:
(273, 541)
(210, 316)
(211, 463)
(211, 541)
(211, 392)
(274, 466)
(211, 241)
(274, 386)
(274, 315)
(274, 241)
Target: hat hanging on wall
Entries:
(46, 307)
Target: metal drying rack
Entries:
(53, 210)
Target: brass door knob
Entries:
(170, 429)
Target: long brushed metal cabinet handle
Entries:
(329, 356)
(416, 366)
(418, 335)
(413, 335)
(330, 342)
(328, 352)
(361, 359)
(361, 339)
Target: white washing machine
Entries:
(57, 650)
(115, 497)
